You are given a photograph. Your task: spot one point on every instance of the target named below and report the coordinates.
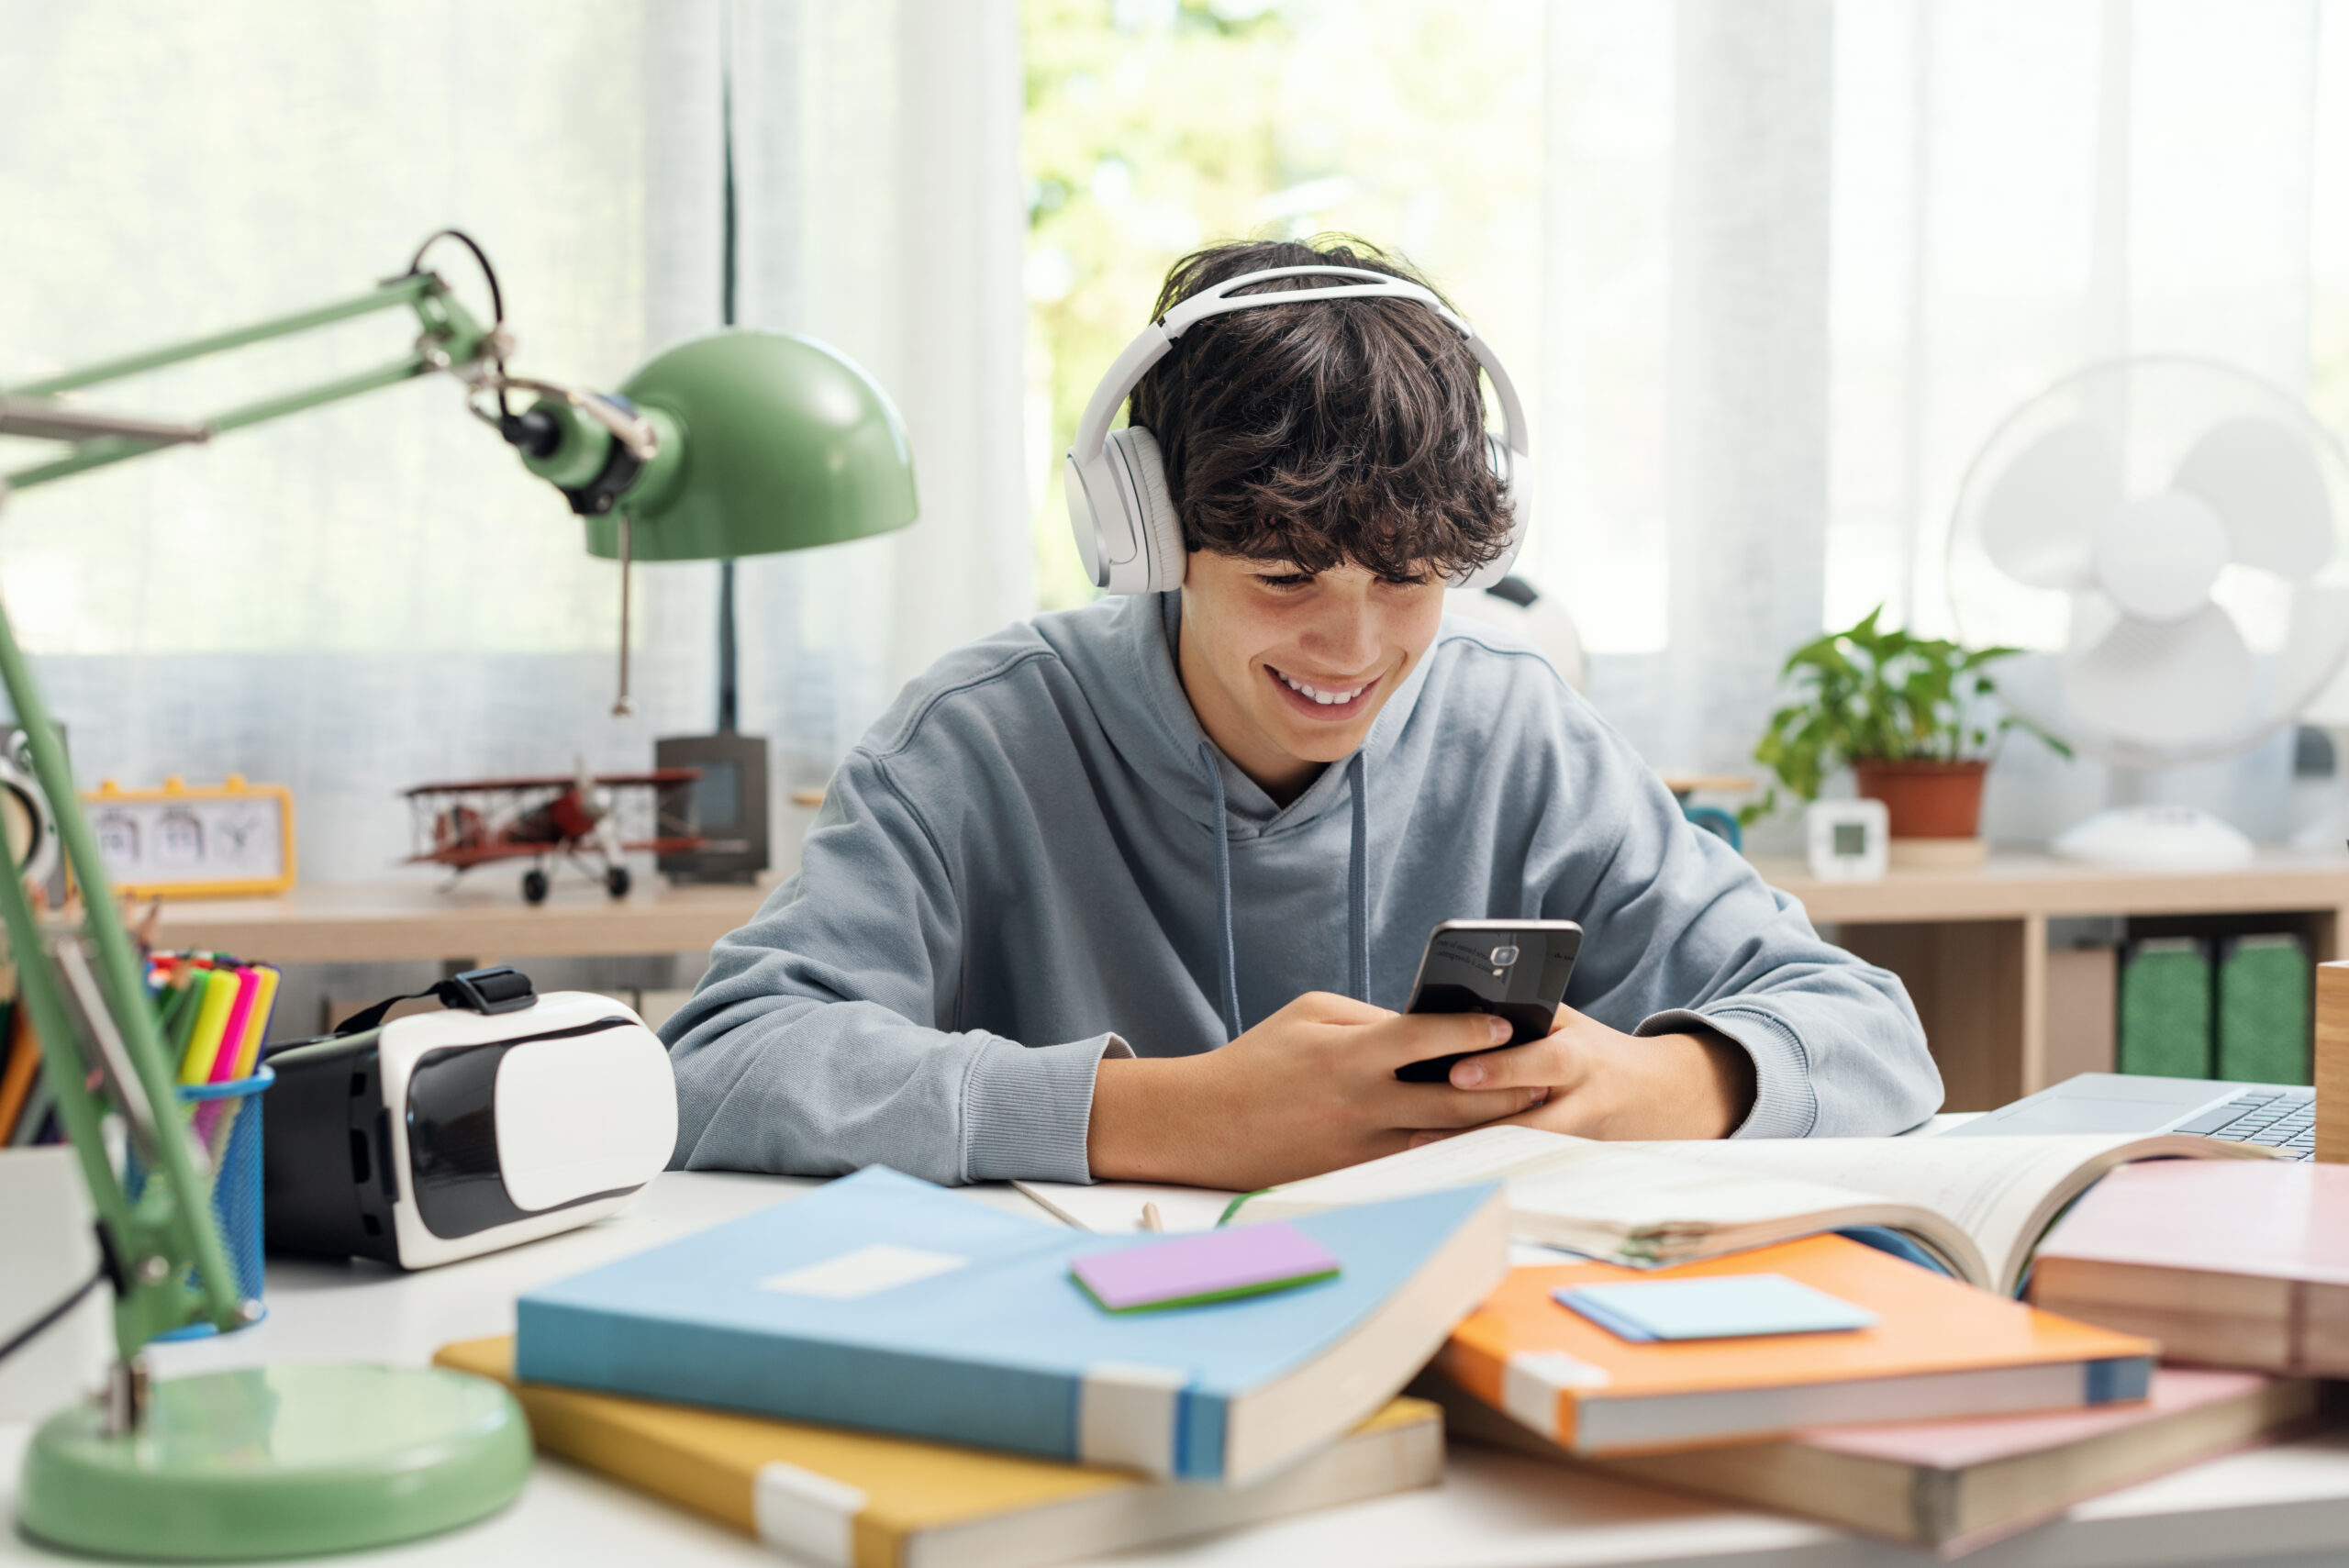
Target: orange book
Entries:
(1938, 1350)
(23, 1059)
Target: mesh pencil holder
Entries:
(226, 1119)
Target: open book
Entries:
(1977, 1205)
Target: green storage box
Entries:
(2165, 1024)
(2264, 1023)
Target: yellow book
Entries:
(853, 1500)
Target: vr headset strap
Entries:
(500, 990)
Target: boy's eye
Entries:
(1283, 579)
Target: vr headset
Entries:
(505, 1117)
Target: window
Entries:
(1154, 127)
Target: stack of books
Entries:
(882, 1372)
(1928, 1406)
(885, 1374)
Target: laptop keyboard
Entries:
(2284, 1120)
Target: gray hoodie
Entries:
(1037, 858)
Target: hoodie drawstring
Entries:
(1357, 892)
(1230, 962)
(1358, 888)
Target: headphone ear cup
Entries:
(1515, 472)
(1135, 454)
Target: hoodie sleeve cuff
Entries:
(1785, 1104)
(1026, 1110)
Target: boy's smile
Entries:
(1325, 699)
(1288, 669)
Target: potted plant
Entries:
(1909, 717)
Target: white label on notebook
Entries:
(1532, 1379)
(1125, 1415)
(865, 1272)
(806, 1516)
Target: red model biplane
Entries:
(464, 825)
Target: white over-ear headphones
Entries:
(1126, 526)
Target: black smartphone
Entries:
(1514, 969)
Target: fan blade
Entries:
(2157, 556)
(2263, 479)
(2040, 517)
(2155, 685)
(2316, 654)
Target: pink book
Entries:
(1951, 1486)
(2231, 1264)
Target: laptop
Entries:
(2280, 1116)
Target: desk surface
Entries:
(2287, 1505)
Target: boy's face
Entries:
(1288, 671)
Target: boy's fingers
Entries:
(1415, 1037)
(1329, 1007)
(1431, 1106)
(1547, 1061)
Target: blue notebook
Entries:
(883, 1302)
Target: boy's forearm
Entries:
(1141, 1127)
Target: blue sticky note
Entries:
(1722, 1306)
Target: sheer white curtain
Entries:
(1801, 256)
(880, 210)
(375, 595)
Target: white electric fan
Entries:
(2166, 536)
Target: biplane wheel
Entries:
(616, 881)
(534, 886)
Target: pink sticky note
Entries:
(1215, 1265)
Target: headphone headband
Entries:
(1116, 511)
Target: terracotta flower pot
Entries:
(1926, 800)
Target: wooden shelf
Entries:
(1971, 946)
(478, 924)
(2013, 886)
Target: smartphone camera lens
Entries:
(1504, 957)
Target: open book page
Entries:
(1488, 1154)
(1116, 1207)
(1619, 1201)
(2003, 1191)
(1624, 1202)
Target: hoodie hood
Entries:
(1149, 716)
(1131, 677)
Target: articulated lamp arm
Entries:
(80, 980)
(790, 446)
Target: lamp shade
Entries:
(768, 442)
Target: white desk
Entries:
(2285, 1508)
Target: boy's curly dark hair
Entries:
(1323, 433)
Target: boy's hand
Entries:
(1604, 1083)
(1309, 1089)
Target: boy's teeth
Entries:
(1324, 698)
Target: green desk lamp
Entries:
(738, 444)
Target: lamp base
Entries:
(277, 1461)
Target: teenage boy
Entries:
(1128, 892)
